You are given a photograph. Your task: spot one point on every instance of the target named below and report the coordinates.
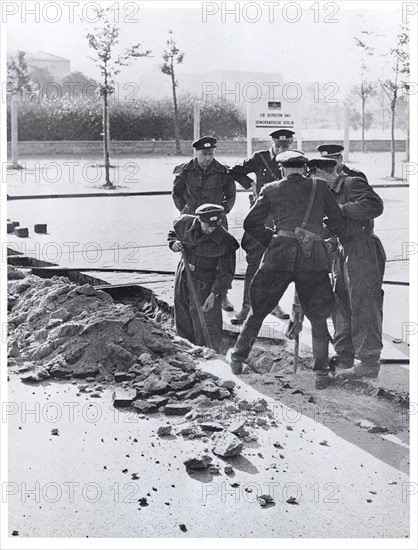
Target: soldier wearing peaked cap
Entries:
(335, 151)
(358, 268)
(263, 164)
(294, 251)
(204, 180)
(210, 253)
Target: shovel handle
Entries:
(195, 299)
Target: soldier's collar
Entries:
(272, 153)
(338, 183)
(215, 236)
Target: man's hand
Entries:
(209, 303)
(177, 246)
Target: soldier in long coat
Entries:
(358, 269)
(210, 252)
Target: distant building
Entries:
(57, 66)
(235, 86)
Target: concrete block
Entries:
(21, 232)
(40, 228)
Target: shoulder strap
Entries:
(310, 204)
(347, 188)
(267, 166)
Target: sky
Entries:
(301, 42)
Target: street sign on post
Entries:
(346, 135)
(266, 115)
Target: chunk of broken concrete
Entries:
(176, 409)
(144, 406)
(227, 444)
(164, 431)
(238, 428)
(123, 397)
(158, 400)
(211, 426)
(198, 462)
(120, 376)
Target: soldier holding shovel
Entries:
(203, 275)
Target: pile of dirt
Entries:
(58, 329)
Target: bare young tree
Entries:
(173, 56)
(393, 85)
(399, 57)
(103, 41)
(366, 89)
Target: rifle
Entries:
(195, 299)
(294, 329)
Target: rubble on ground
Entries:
(61, 330)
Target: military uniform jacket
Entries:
(193, 186)
(211, 254)
(287, 201)
(345, 170)
(360, 205)
(263, 164)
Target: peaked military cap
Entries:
(282, 134)
(290, 159)
(330, 150)
(210, 213)
(322, 163)
(205, 143)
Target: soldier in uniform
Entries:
(358, 269)
(263, 164)
(334, 151)
(204, 180)
(292, 253)
(210, 253)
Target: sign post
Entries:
(346, 135)
(249, 133)
(196, 121)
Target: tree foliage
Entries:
(19, 79)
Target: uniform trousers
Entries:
(316, 298)
(358, 270)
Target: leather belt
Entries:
(291, 234)
(194, 268)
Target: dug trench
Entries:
(77, 334)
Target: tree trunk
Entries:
(363, 102)
(392, 137)
(14, 130)
(383, 111)
(176, 114)
(108, 183)
(407, 132)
